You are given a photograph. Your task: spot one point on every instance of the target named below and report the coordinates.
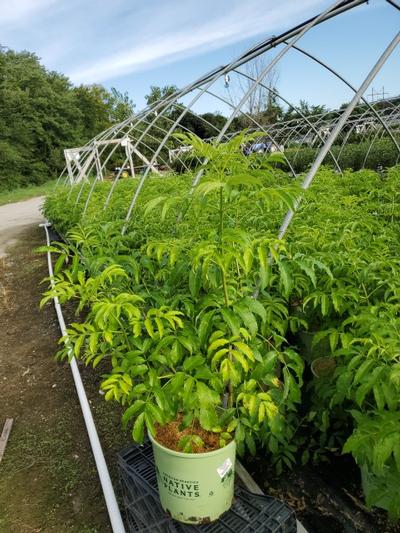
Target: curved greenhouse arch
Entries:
(151, 130)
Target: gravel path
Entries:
(14, 218)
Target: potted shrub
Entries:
(198, 362)
(220, 390)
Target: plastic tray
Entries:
(250, 513)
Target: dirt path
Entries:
(48, 480)
(14, 218)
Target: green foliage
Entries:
(375, 444)
(177, 323)
(24, 193)
(382, 153)
(159, 93)
(170, 308)
(41, 113)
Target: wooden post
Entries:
(128, 151)
(4, 436)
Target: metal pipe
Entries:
(298, 35)
(324, 150)
(105, 480)
(258, 128)
(394, 4)
(155, 155)
(298, 32)
(270, 43)
(376, 134)
(341, 78)
(297, 109)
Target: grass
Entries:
(24, 193)
(50, 449)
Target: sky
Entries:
(131, 45)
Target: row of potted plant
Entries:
(174, 324)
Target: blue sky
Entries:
(131, 45)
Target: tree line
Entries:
(41, 113)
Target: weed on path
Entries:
(48, 479)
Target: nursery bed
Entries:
(327, 498)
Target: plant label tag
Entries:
(224, 468)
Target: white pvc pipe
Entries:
(105, 480)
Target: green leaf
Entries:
(217, 344)
(285, 276)
(379, 397)
(59, 263)
(155, 412)
(195, 282)
(248, 319)
(152, 204)
(251, 445)
(241, 360)
(193, 362)
(205, 327)
(245, 349)
(333, 340)
(149, 327)
(138, 429)
(188, 391)
(204, 373)
(138, 370)
(218, 356)
(390, 394)
(206, 396)
(149, 421)
(231, 320)
(256, 307)
(139, 389)
(208, 418)
(362, 392)
(309, 271)
(177, 382)
(240, 433)
(160, 326)
(363, 370)
(131, 411)
(78, 345)
(325, 304)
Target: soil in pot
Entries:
(171, 434)
(323, 367)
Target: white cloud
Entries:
(99, 40)
(20, 11)
(192, 33)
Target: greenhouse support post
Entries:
(105, 480)
(325, 149)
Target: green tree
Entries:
(41, 114)
(159, 93)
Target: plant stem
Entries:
(225, 287)
(221, 218)
(366, 294)
(230, 393)
(124, 333)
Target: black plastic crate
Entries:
(250, 513)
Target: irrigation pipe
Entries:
(105, 480)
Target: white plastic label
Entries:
(224, 468)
